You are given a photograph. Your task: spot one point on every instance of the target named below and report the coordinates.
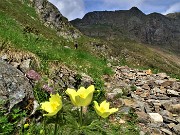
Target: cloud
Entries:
(70, 8)
(173, 8)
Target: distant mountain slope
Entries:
(155, 29)
(175, 15)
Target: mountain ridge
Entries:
(154, 28)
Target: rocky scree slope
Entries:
(155, 98)
(154, 28)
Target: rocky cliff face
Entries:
(51, 17)
(134, 24)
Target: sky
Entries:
(73, 9)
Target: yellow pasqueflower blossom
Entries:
(53, 105)
(103, 110)
(26, 126)
(82, 97)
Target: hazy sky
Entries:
(78, 8)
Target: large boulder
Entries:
(14, 86)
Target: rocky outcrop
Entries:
(155, 98)
(153, 29)
(14, 86)
(52, 17)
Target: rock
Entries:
(167, 83)
(15, 64)
(129, 103)
(25, 65)
(178, 119)
(14, 86)
(166, 113)
(162, 75)
(166, 104)
(159, 82)
(142, 117)
(121, 121)
(171, 125)
(117, 91)
(166, 131)
(125, 110)
(110, 96)
(176, 128)
(86, 80)
(145, 87)
(156, 117)
(169, 120)
(172, 93)
(141, 133)
(175, 109)
(4, 57)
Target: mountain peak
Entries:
(136, 10)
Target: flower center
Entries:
(54, 105)
(82, 95)
(102, 109)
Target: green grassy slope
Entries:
(134, 54)
(143, 56)
(16, 16)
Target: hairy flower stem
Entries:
(81, 115)
(44, 126)
(56, 124)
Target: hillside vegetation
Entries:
(43, 41)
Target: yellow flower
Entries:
(82, 97)
(26, 125)
(41, 131)
(53, 105)
(103, 110)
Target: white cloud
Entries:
(70, 8)
(173, 8)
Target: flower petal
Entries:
(72, 94)
(47, 106)
(105, 114)
(81, 101)
(91, 89)
(105, 105)
(55, 98)
(103, 110)
(53, 106)
(82, 92)
(97, 108)
(113, 110)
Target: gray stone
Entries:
(172, 93)
(14, 86)
(141, 133)
(162, 75)
(175, 108)
(25, 65)
(169, 120)
(146, 87)
(176, 128)
(166, 131)
(142, 117)
(117, 91)
(86, 80)
(156, 117)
